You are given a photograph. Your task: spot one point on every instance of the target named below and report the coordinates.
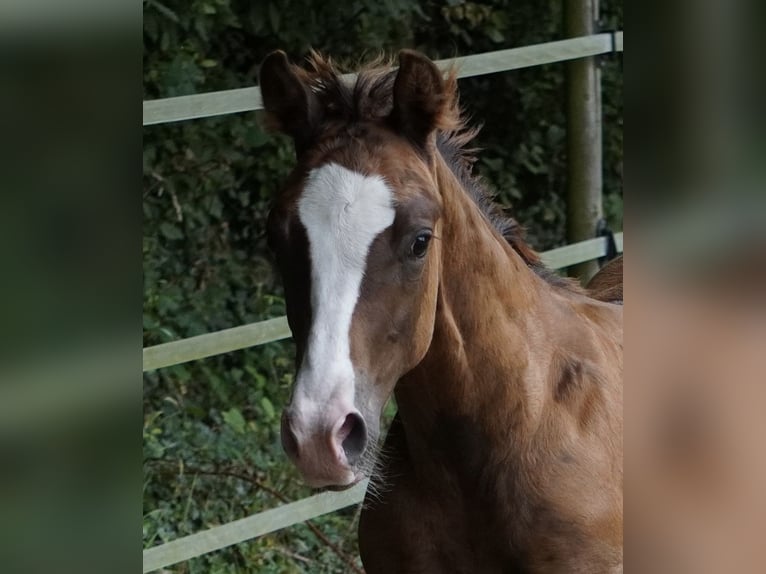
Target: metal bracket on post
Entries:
(614, 52)
(603, 230)
(613, 35)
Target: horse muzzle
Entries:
(326, 447)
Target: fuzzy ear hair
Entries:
(419, 97)
(290, 104)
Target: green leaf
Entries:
(170, 231)
(496, 35)
(255, 137)
(216, 207)
(268, 408)
(235, 420)
(164, 10)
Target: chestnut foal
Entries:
(402, 277)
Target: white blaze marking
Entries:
(342, 211)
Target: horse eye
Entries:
(420, 245)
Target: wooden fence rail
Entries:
(250, 527)
(249, 99)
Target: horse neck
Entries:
(489, 340)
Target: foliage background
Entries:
(211, 428)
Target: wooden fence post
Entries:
(584, 148)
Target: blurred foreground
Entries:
(70, 297)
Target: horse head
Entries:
(355, 233)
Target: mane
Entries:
(369, 98)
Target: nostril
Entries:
(353, 437)
(289, 442)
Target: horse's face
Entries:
(359, 266)
(355, 235)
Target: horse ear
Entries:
(290, 105)
(419, 97)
